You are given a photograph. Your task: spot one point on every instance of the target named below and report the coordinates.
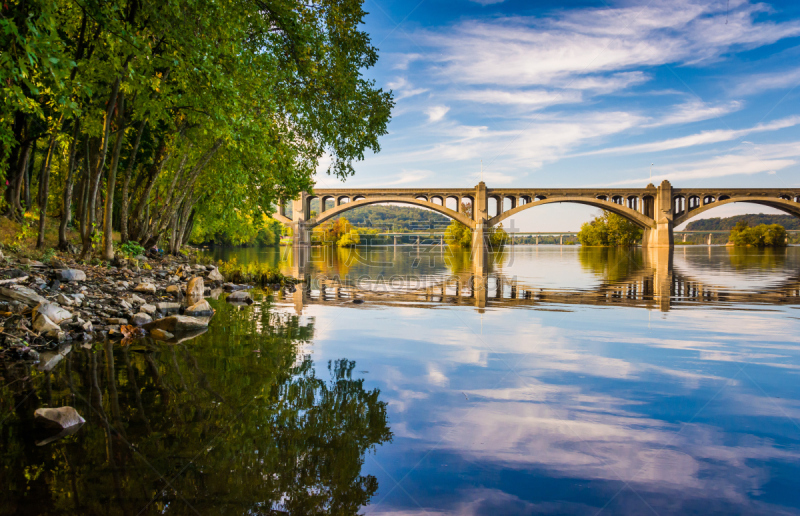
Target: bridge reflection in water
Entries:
(642, 278)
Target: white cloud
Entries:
(436, 113)
(574, 45)
(694, 111)
(768, 81)
(752, 159)
(529, 98)
(403, 89)
(703, 138)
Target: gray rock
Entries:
(22, 294)
(177, 323)
(87, 327)
(53, 312)
(140, 257)
(125, 305)
(201, 308)
(141, 318)
(160, 334)
(148, 309)
(215, 275)
(43, 324)
(194, 291)
(49, 359)
(239, 296)
(72, 275)
(147, 288)
(64, 300)
(62, 417)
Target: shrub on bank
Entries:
(763, 235)
(609, 230)
(256, 273)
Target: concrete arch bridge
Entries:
(657, 210)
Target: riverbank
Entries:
(46, 307)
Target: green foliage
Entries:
(331, 232)
(48, 255)
(349, 239)
(609, 229)
(751, 220)
(498, 237)
(252, 272)
(763, 235)
(458, 234)
(237, 229)
(394, 218)
(130, 249)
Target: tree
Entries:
(609, 229)
(157, 117)
(763, 235)
(458, 235)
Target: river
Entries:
(415, 380)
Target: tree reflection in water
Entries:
(236, 421)
(611, 263)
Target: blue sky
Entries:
(586, 93)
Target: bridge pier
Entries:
(661, 235)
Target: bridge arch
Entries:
(634, 216)
(785, 205)
(322, 217)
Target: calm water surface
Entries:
(545, 380)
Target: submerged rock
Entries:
(160, 334)
(194, 291)
(62, 417)
(239, 297)
(177, 323)
(201, 308)
(167, 307)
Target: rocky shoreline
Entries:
(45, 309)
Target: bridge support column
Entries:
(659, 260)
(662, 234)
(300, 230)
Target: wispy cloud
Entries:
(703, 138)
(695, 111)
(768, 81)
(403, 89)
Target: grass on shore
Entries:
(257, 273)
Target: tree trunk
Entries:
(98, 165)
(44, 187)
(123, 216)
(108, 244)
(28, 173)
(66, 207)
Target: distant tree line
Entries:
(728, 223)
(389, 218)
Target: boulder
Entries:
(71, 275)
(21, 294)
(136, 300)
(174, 290)
(239, 296)
(53, 312)
(62, 417)
(166, 307)
(64, 300)
(177, 323)
(215, 275)
(140, 319)
(201, 308)
(43, 324)
(147, 288)
(148, 309)
(194, 291)
(160, 334)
